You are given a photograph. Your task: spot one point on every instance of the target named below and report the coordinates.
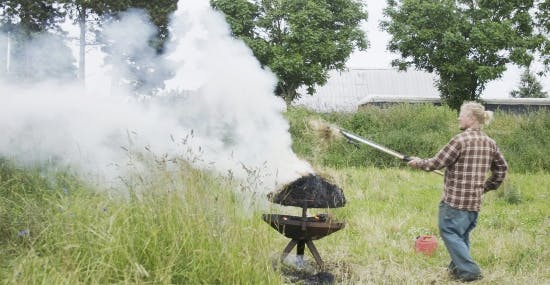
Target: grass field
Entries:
(178, 225)
(191, 227)
(389, 208)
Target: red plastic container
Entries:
(426, 244)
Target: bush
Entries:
(525, 141)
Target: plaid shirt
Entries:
(468, 157)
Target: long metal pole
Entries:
(403, 157)
(375, 145)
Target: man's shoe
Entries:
(453, 274)
(470, 278)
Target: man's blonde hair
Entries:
(477, 111)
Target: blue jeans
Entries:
(455, 227)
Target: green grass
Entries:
(172, 224)
(182, 227)
(190, 227)
(389, 208)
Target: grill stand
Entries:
(300, 250)
(302, 243)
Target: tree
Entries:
(529, 87)
(108, 11)
(467, 43)
(81, 11)
(31, 16)
(159, 12)
(299, 40)
(36, 40)
(543, 23)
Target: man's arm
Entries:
(498, 172)
(445, 157)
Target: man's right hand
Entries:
(414, 162)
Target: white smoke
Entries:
(227, 105)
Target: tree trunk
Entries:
(82, 55)
(8, 54)
(287, 93)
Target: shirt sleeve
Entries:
(445, 157)
(498, 172)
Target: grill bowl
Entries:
(294, 227)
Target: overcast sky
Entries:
(376, 56)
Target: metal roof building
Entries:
(347, 91)
(344, 90)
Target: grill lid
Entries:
(311, 191)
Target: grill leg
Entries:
(300, 253)
(315, 253)
(288, 248)
(300, 248)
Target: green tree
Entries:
(159, 12)
(83, 12)
(543, 23)
(299, 40)
(30, 16)
(467, 43)
(93, 14)
(32, 24)
(529, 87)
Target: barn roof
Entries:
(344, 90)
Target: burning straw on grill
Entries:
(310, 191)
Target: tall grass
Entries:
(187, 227)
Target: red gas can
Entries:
(426, 244)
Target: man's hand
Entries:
(414, 162)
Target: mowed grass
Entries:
(184, 226)
(389, 208)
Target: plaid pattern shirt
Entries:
(468, 157)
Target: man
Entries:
(467, 157)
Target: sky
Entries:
(376, 56)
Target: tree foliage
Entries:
(467, 43)
(25, 18)
(159, 12)
(29, 16)
(529, 87)
(139, 69)
(33, 24)
(543, 22)
(299, 40)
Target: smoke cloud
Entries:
(217, 105)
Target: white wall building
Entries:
(344, 90)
